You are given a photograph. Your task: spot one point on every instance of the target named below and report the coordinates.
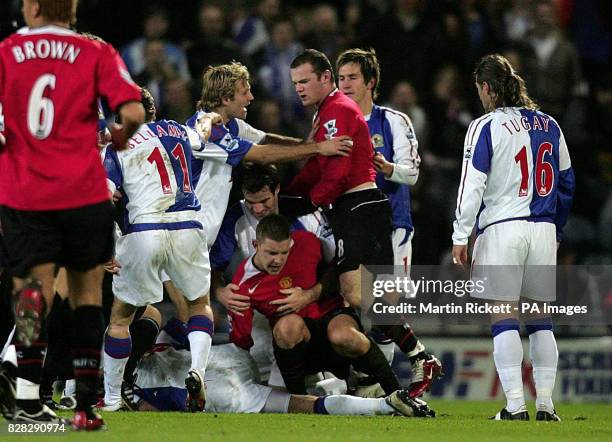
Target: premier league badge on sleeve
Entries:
(331, 129)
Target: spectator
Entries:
(403, 40)
(251, 31)
(448, 113)
(155, 27)
(157, 72)
(178, 104)
(404, 99)
(518, 20)
(210, 47)
(274, 74)
(325, 33)
(552, 70)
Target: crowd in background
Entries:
(427, 50)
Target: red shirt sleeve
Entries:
(114, 81)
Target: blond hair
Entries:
(219, 82)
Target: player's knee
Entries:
(120, 331)
(152, 313)
(347, 341)
(289, 331)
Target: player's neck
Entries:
(328, 91)
(257, 264)
(223, 113)
(366, 105)
(40, 22)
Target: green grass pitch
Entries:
(456, 421)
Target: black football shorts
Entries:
(361, 223)
(79, 239)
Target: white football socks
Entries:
(114, 366)
(342, 404)
(200, 343)
(508, 356)
(544, 357)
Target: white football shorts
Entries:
(144, 256)
(516, 259)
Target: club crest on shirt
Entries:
(286, 282)
(331, 129)
(378, 140)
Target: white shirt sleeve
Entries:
(406, 159)
(204, 150)
(248, 132)
(473, 179)
(564, 157)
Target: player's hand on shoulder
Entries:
(336, 146)
(296, 299)
(382, 165)
(233, 302)
(205, 123)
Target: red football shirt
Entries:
(300, 271)
(50, 80)
(324, 179)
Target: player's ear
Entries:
(486, 88)
(371, 84)
(326, 76)
(36, 7)
(277, 190)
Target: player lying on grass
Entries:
(232, 387)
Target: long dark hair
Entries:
(503, 80)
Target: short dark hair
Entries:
(257, 176)
(319, 61)
(368, 63)
(148, 102)
(274, 227)
(504, 81)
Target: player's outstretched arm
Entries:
(281, 139)
(272, 153)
